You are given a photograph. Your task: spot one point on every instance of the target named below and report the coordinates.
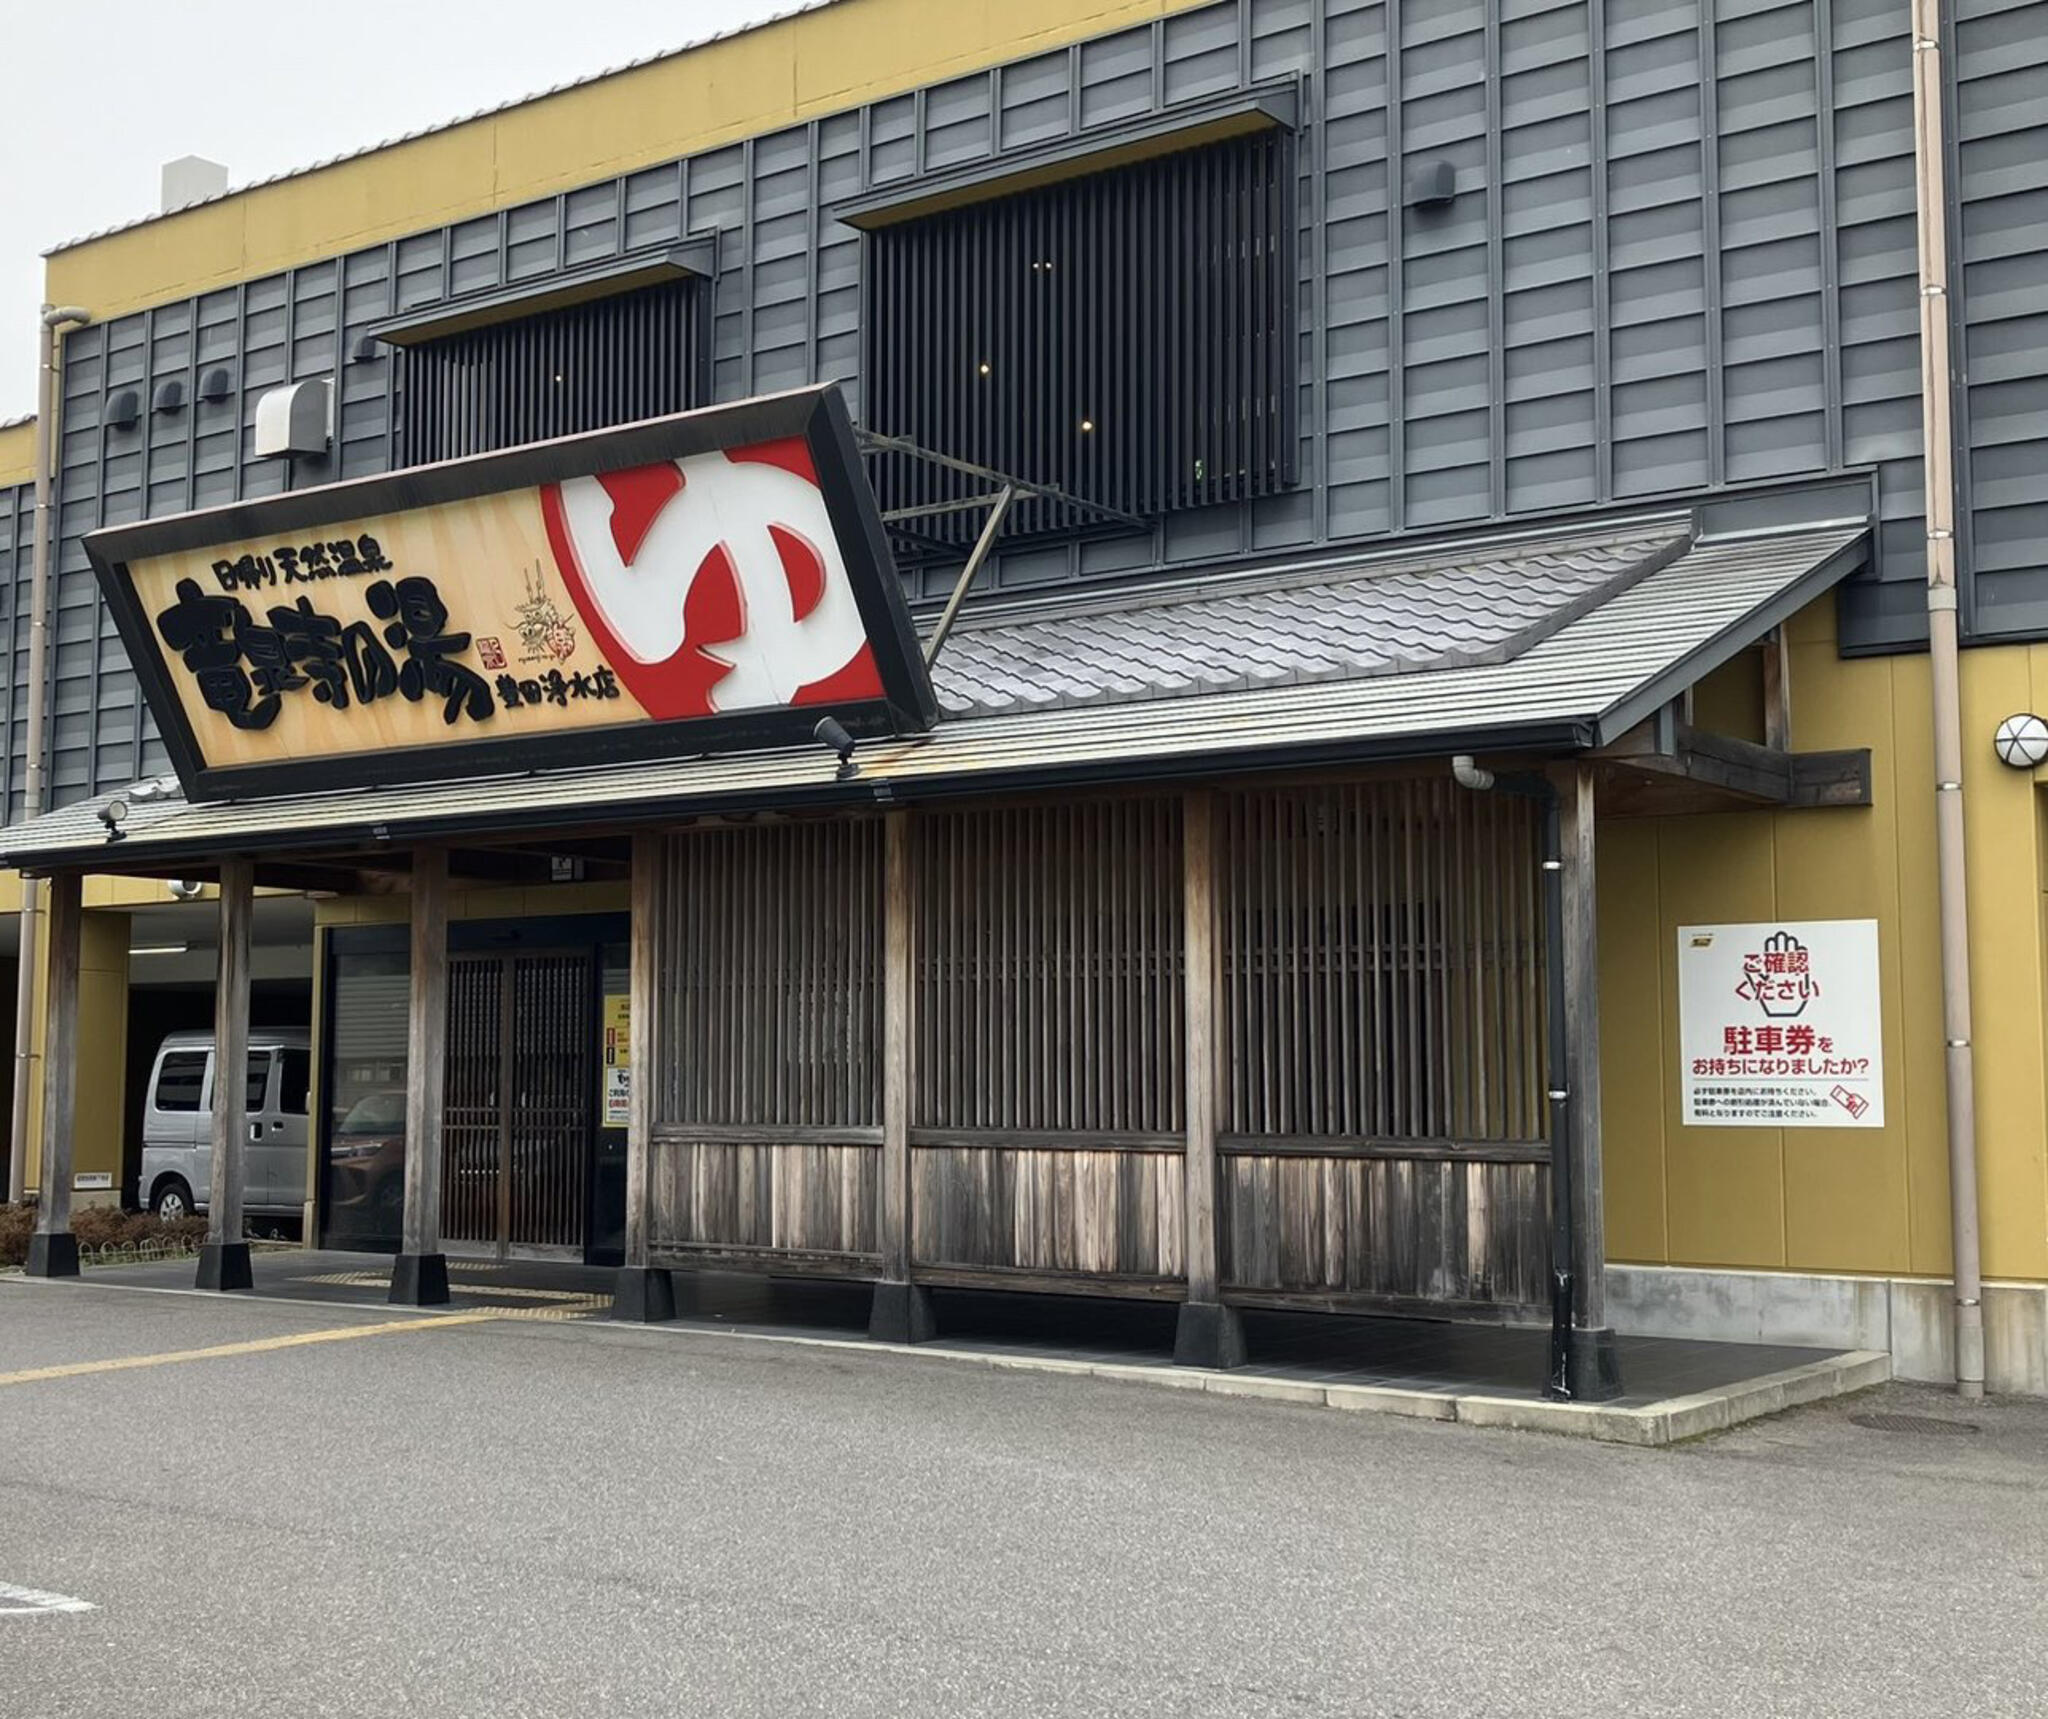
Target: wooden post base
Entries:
(419, 1280)
(1208, 1335)
(902, 1313)
(224, 1265)
(643, 1295)
(52, 1254)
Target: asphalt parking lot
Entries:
(282, 1509)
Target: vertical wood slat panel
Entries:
(1048, 969)
(771, 959)
(1433, 1030)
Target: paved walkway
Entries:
(1370, 1362)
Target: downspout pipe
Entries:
(1930, 159)
(55, 319)
(1559, 1380)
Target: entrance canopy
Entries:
(1563, 642)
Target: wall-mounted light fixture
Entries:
(2021, 741)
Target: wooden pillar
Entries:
(902, 1312)
(419, 1276)
(53, 1249)
(224, 1256)
(642, 1293)
(1594, 1366)
(1209, 1334)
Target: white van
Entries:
(177, 1126)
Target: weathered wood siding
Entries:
(1382, 1026)
(1378, 1009)
(1047, 968)
(767, 1133)
(1387, 1229)
(803, 1198)
(1110, 1213)
(1048, 1039)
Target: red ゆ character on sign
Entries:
(715, 582)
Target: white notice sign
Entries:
(1780, 1025)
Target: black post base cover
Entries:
(54, 1255)
(1592, 1364)
(1208, 1335)
(902, 1313)
(643, 1295)
(419, 1280)
(224, 1265)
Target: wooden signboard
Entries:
(713, 580)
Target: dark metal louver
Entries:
(584, 367)
(1127, 337)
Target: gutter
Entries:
(55, 319)
(1951, 849)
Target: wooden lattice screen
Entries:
(1383, 958)
(1048, 969)
(771, 948)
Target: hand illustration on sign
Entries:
(1779, 977)
(715, 582)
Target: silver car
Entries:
(177, 1126)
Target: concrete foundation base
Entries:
(419, 1280)
(1908, 1318)
(1208, 1335)
(224, 1265)
(643, 1295)
(52, 1255)
(902, 1313)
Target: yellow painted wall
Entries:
(17, 454)
(792, 70)
(1845, 1200)
(102, 1049)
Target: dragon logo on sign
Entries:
(714, 582)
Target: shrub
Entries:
(17, 1223)
(107, 1226)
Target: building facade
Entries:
(1308, 329)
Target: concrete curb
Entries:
(1652, 1424)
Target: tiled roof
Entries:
(1343, 620)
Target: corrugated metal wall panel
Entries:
(1555, 337)
(2001, 64)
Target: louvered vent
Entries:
(585, 367)
(1127, 337)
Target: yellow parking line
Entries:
(257, 1346)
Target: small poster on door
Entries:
(1780, 1024)
(618, 1060)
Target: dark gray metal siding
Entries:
(1608, 312)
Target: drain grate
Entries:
(1913, 1424)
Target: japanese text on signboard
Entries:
(1780, 1025)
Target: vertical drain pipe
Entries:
(1938, 482)
(55, 317)
(1468, 774)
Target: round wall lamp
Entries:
(2022, 740)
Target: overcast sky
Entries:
(94, 98)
